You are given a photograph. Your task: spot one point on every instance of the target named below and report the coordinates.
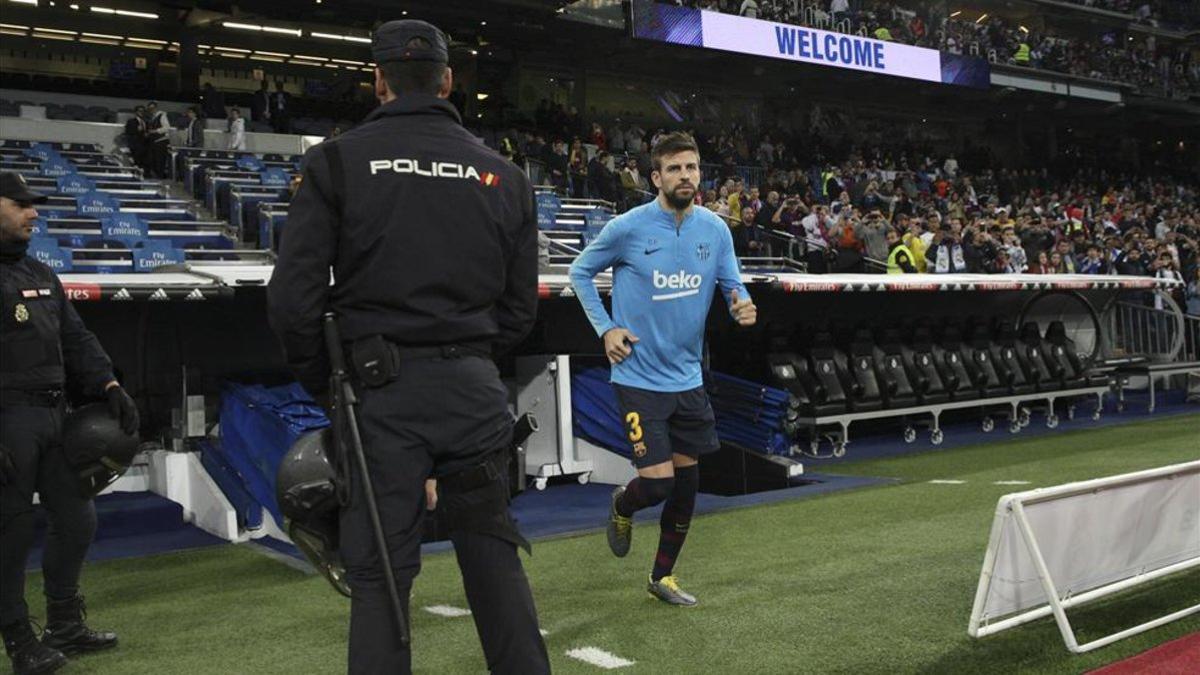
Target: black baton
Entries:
(345, 419)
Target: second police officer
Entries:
(44, 349)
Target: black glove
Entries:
(8, 470)
(122, 408)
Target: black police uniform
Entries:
(44, 345)
(432, 239)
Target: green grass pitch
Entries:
(878, 580)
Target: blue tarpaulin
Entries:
(594, 410)
(258, 426)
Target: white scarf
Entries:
(944, 255)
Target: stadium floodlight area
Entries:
(1056, 548)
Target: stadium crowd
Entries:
(1146, 62)
(850, 215)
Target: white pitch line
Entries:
(1011, 482)
(448, 611)
(599, 658)
(544, 632)
(947, 482)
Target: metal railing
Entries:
(1162, 335)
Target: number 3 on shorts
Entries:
(634, 421)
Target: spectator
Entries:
(1041, 264)
(1002, 263)
(845, 236)
(281, 110)
(260, 103)
(789, 215)
(950, 167)
(946, 254)
(736, 194)
(1131, 264)
(555, 158)
(915, 239)
(598, 138)
(978, 251)
(212, 102)
(816, 239)
(839, 10)
(616, 137)
(136, 137)
(874, 235)
(158, 140)
(194, 132)
(237, 129)
(1063, 249)
(749, 9)
(1092, 264)
(1057, 264)
(1017, 258)
(633, 183)
(767, 215)
(634, 138)
(577, 164)
(601, 181)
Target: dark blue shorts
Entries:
(658, 424)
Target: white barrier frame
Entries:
(1056, 604)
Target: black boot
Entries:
(66, 631)
(28, 655)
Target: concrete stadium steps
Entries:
(130, 525)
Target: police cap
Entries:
(390, 42)
(13, 186)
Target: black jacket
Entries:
(431, 236)
(135, 132)
(43, 342)
(258, 105)
(602, 181)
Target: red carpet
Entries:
(1178, 657)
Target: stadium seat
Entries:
(1035, 357)
(1008, 365)
(786, 376)
(1067, 374)
(1063, 349)
(898, 388)
(826, 367)
(818, 395)
(951, 361)
(861, 367)
(992, 381)
(928, 380)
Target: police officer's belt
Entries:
(42, 398)
(492, 469)
(376, 360)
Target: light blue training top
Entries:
(664, 278)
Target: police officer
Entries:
(45, 347)
(432, 240)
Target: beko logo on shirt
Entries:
(685, 284)
(433, 170)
